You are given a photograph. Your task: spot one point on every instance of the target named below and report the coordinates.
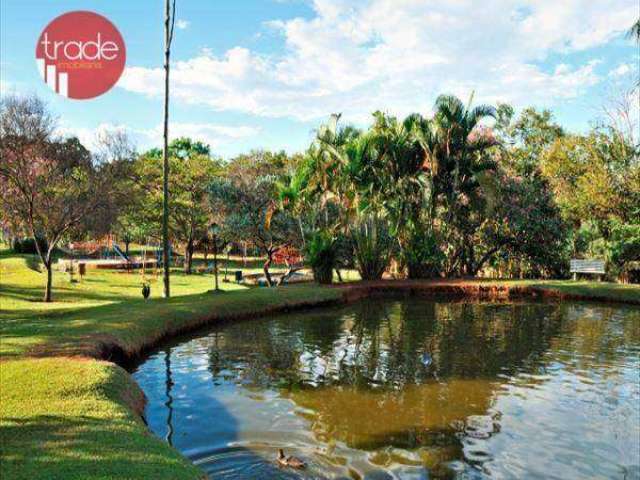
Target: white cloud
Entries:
(358, 56)
(182, 24)
(213, 135)
(621, 70)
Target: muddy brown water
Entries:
(406, 388)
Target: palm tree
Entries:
(399, 181)
(453, 144)
(634, 31)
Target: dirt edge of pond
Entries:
(472, 289)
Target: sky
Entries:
(250, 74)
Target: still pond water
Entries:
(407, 388)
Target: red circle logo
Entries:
(80, 55)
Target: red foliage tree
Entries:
(48, 186)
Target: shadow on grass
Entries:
(118, 446)
(33, 263)
(132, 323)
(49, 446)
(61, 294)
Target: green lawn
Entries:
(107, 306)
(595, 290)
(83, 307)
(64, 417)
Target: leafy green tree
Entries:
(49, 187)
(526, 138)
(526, 225)
(373, 247)
(456, 150)
(624, 247)
(321, 254)
(245, 204)
(594, 178)
(191, 172)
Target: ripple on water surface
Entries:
(408, 388)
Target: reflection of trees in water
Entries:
(409, 380)
(413, 374)
(391, 344)
(480, 340)
(594, 337)
(169, 396)
(412, 343)
(396, 398)
(387, 344)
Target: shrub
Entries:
(422, 256)
(321, 255)
(372, 245)
(28, 245)
(624, 247)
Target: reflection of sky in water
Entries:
(409, 389)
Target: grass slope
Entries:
(66, 419)
(84, 308)
(594, 290)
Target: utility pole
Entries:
(169, 20)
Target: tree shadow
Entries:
(51, 446)
(62, 294)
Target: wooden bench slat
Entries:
(587, 266)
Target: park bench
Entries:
(590, 266)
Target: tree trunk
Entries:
(47, 290)
(188, 257)
(484, 259)
(265, 268)
(126, 247)
(165, 151)
(46, 261)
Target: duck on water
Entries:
(290, 462)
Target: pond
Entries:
(407, 388)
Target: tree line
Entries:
(465, 191)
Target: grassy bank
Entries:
(64, 417)
(85, 308)
(590, 290)
(75, 419)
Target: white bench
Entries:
(592, 266)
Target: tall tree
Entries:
(48, 186)
(169, 23)
(455, 151)
(245, 203)
(191, 172)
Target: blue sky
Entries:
(264, 73)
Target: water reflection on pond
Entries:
(407, 388)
